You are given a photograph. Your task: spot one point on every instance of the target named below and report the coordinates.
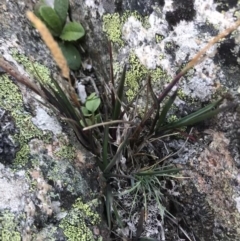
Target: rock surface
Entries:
(157, 37)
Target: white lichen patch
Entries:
(46, 122)
(150, 43)
(237, 199)
(13, 188)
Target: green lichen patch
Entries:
(11, 100)
(34, 69)
(74, 224)
(49, 233)
(113, 24)
(159, 38)
(66, 150)
(65, 175)
(137, 16)
(138, 72)
(8, 227)
(134, 76)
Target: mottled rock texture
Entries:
(157, 37)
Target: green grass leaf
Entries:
(72, 55)
(51, 19)
(198, 116)
(61, 8)
(165, 110)
(108, 203)
(115, 158)
(72, 31)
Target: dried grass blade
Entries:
(117, 107)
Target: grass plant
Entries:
(105, 125)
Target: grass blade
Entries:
(119, 221)
(105, 146)
(108, 203)
(155, 100)
(117, 107)
(160, 172)
(115, 158)
(165, 110)
(198, 116)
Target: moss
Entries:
(74, 224)
(8, 226)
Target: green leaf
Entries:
(72, 31)
(93, 104)
(88, 121)
(37, 7)
(61, 8)
(51, 19)
(92, 96)
(98, 118)
(85, 111)
(72, 55)
(115, 158)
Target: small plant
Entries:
(134, 143)
(92, 104)
(55, 18)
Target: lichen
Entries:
(74, 224)
(134, 75)
(137, 16)
(113, 23)
(65, 150)
(34, 69)
(158, 38)
(49, 233)
(138, 72)
(8, 227)
(11, 100)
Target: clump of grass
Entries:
(116, 137)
